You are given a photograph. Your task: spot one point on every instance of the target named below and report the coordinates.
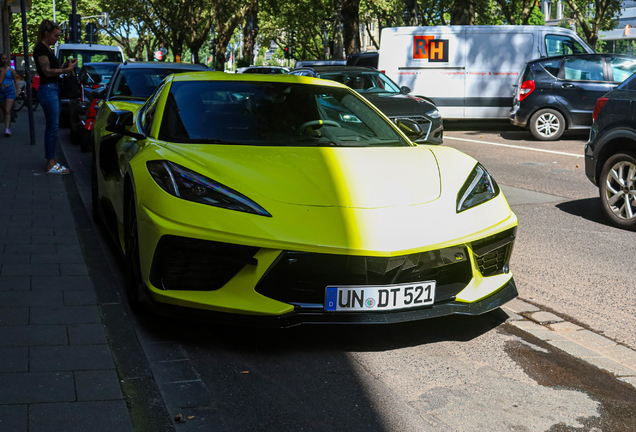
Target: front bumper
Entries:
(312, 316)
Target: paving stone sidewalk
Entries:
(56, 367)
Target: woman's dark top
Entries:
(42, 50)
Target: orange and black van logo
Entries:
(427, 47)
(438, 50)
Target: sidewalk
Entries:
(56, 367)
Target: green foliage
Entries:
(43, 9)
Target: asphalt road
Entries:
(448, 374)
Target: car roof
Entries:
(115, 64)
(319, 69)
(89, 47)
(163, 65)
(222, 76)
(559, 57)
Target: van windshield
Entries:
(556, 45)
(87, 56)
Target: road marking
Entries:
(514, 146)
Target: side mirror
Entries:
(119, 121)
(410, 128)
(99, 93)
(406, 89)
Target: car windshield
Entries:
(272, 113)
(363, 82)
(88, 56)
(140, 83)
(98, 73)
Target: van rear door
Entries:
(494, 61)
(438, 75)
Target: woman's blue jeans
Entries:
(49, 96)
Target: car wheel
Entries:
(133, 268)
(85, 142)
(76, 136)
(617, 188)
(547, 125)
(97, 218)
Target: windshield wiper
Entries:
(205, 141)
(134, 98)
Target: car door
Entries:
(581, 82)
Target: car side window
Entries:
(629, 84)
(556, 45)
(552, 66)
(622, 68)
(581, 69)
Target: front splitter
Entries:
(318, 316)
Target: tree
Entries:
(590, 24)
(351, 22)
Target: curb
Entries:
(580, 343)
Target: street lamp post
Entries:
(323, 29)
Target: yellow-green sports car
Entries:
(281, 200)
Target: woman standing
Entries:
(8, 90)
(49, 91)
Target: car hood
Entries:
(392, 104)
(327, 177)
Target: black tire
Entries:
(97, 217)
(618, 192)
(85, 142)
(547, 125)
(76, 136)
(18, 104)
(134, 282)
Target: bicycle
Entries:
(21, 98)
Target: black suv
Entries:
(610, 153)
(387, 96)
(558, 93)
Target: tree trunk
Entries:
(351, 18)
(463, 12)
(338, 40)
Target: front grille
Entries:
(301, 278)
(493, 253)
(424, 123)
(182, 263)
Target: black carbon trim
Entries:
(506, 293)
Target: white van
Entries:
(85, 53)
(469, 71)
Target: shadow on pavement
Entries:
(525, 135)
(588, 208)
(315, 338)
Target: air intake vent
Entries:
(182, 263)
(493, 253)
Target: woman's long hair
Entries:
(8, 60)
(46, 26)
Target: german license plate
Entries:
(379, 298)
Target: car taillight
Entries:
(600, 103)
(526, 88)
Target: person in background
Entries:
(49, 71)
(8, 90)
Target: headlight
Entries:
(189, 185)
(433, 114)
(479, 188)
